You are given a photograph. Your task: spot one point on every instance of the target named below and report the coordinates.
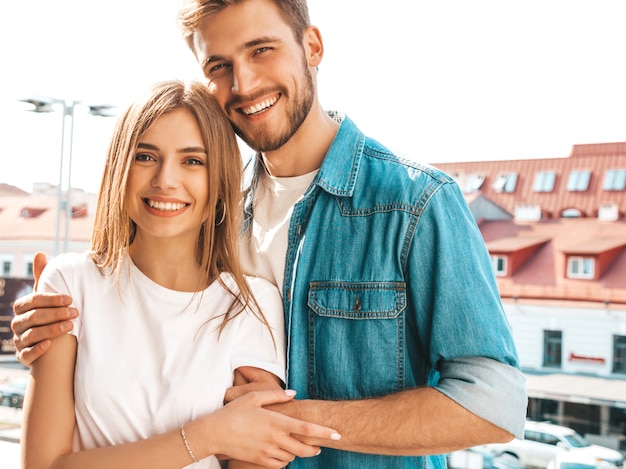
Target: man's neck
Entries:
(306, 149)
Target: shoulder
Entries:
(268, 299)
(265, 292)
(70, 261)
(261, 285)
(377, 157)
(266, 295)
(399, 182)
(374, 163)
(256, 284)
(66, 272)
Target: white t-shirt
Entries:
(149, 363)
(263, 255)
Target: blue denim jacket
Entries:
(387, 279)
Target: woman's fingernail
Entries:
(335, 436)
(290, 392)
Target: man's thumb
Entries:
(39, 262)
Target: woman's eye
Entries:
(143, 157)
(195, 161)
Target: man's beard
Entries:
(267, 140)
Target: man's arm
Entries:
(426, 420)
(39, 317)
(419, 421)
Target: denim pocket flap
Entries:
(363, 300)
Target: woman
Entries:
(167, 315)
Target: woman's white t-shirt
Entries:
(149, 359)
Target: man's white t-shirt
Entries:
(263, 254)
(149, 358)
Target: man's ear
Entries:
(313, 46)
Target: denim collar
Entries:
(341, 164)
(340, 167)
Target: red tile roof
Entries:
(545, 245)
(40, 220)
(596, 158)
(7, 189)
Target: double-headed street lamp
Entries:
(47, 104)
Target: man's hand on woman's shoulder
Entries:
(39, 318)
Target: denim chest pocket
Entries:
(356, 338)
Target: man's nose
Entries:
(245, 79)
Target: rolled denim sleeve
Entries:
(488, 388)
(462, 326)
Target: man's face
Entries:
(257, 71)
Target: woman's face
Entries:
(168, 189)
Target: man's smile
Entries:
(259, 107)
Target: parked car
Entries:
(543, 441)
(12, 393)
(573, 460)
(482, 457)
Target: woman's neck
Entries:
(171, 264)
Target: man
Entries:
(396, 334)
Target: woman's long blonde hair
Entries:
(217, 244)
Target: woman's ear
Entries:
(313, 46)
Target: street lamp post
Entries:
(44, 104)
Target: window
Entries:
(473, 182)
(619, 354)
(506, 182)
(549, 439)
(31, 212)
(527, 212)
(552, 342)
(614, 180)
(531, 435)
(578, 181)
(499, 264)
(608, 212)
(6, 266)
(28, 266)
(571, 213)
(580, 267)
(79, 212)
(544, 181)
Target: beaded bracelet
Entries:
(182, 434)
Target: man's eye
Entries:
(260, 50)
(216, 68)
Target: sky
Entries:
(435, 81)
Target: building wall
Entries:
(587, 332)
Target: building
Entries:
(556, 232)
(30, 223)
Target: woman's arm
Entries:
(242, 430)
(249, 379)
(49, 419)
